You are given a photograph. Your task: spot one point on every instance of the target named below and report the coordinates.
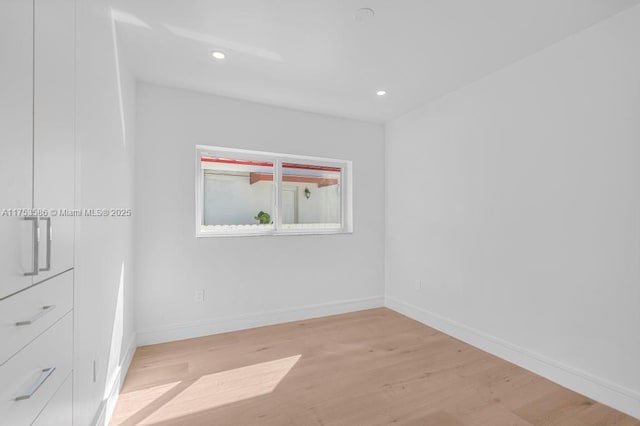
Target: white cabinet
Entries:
(37, 175)
(37, 144)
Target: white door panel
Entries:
(16, 142)
(54, 142)
(289, 205)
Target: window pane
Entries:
(311, 197)
(237, 194)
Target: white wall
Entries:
(104, 328)
(248, 281)
(516, 201)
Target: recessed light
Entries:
(381, 92)
(217, 54)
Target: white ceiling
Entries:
(315, 55)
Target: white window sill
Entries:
(259, 230)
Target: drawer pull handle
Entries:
(46, 373)
(45, 310)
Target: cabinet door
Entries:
(16, 143)
(54, 142)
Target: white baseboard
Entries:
(105, 411)
(222, 325)
(601, 390)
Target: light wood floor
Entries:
(366, 368)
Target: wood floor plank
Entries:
(373, 367)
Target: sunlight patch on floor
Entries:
(133, 402)
(204, 393)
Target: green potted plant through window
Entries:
(263, 218)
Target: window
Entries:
(241, 192)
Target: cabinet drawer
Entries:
(33, 375)
(35, 309)
(59, 411)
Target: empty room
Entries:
(320, 212)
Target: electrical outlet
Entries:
(418, 284)
(199, 295)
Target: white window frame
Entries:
(346, 191)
